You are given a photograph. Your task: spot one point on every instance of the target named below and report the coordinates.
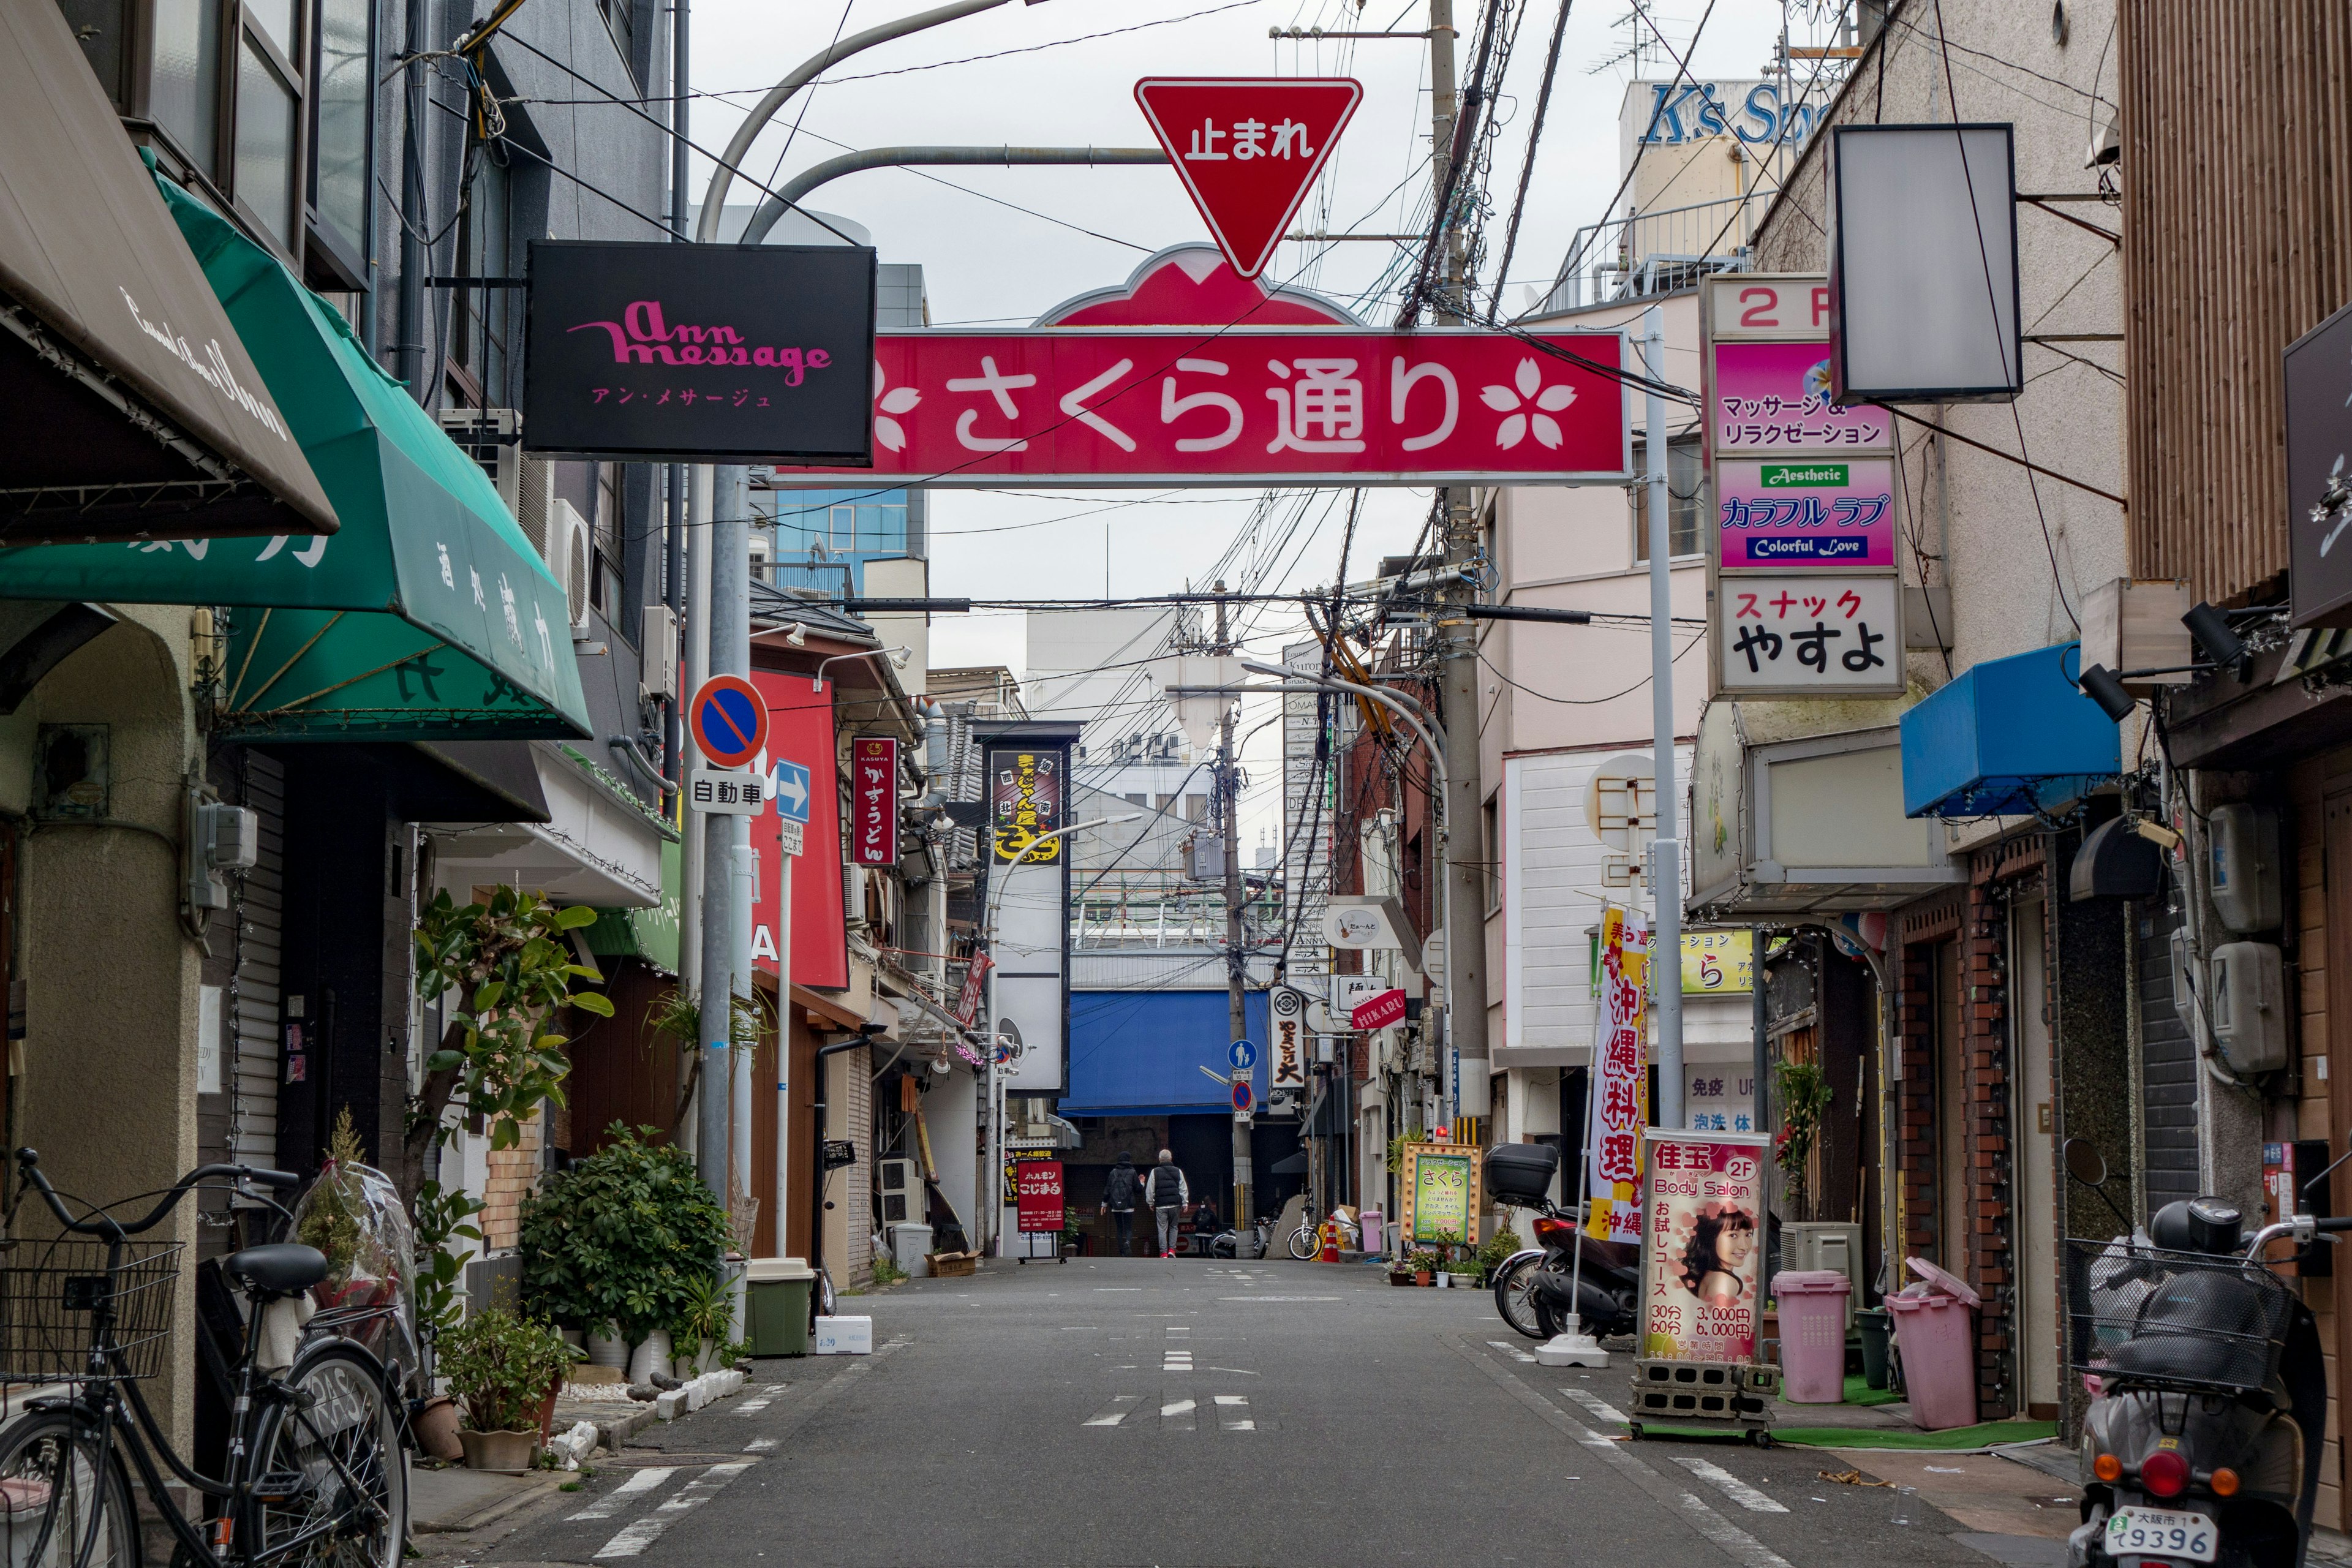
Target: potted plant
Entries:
(1424, 1264)
(503, 1369)
(627, 1235)
(703, 1326)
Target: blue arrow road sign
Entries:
(1241, 1098)
(1243, 1054)
(792, 791)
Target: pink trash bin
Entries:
(1935, 1329)
(1813, 1334)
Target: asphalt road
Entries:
(1190, 1413)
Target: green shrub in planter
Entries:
(501, 1366)
(624, 1237)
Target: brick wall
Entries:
(512, 1173)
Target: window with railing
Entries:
(1685, 493)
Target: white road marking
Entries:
(1738, 1490)
(1508, 1349)
(1176, 1415)
(1734, 1540)
(1232, 1413)
(699, 1491)
(1597, 1405)
(1280, 1297)
(1114, 1413)
(754, 1406)
(761, 1444)
(633, 1538)
(608, 1505)
(1237, 1372)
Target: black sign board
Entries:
(2319, 473)
(756, 353)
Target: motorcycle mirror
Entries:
(2085, 1162)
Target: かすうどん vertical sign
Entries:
(874, 800)
(755, 353)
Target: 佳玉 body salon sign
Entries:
(760, 353)
(1246, 406)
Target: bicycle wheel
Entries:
(1514, 1301)
(334, 1461)
(64, 1509)
(1304, 1243)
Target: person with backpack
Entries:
(1167, 1192)
(1119, 1189)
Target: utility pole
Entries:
(1236, 955)
(1465, 935)
(1666, 965)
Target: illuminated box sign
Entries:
(1806, 512)
(874, 800)
(755, 353)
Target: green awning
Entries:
(648, 934)
(429, 617)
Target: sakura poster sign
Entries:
(1620, 1079)
(1702, 1246)
(874, 800)
(1242, 406)
(1801, 635)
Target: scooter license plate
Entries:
(2162, 1532)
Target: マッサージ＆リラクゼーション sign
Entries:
(760, 353)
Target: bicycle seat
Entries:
(281, 1269)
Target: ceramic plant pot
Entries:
(436, 1428)
(501, 1453)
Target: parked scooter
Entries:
(2210, 1398)
(1542, 1291)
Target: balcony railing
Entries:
(1657, 251)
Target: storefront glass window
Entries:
(341, 157)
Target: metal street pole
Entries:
(1236, 959)
(719, 599)
(1667, 885)
(1465, 904)
(998, 878)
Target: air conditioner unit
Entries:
(492, 437)
(1831, 1246)
(904, 1200)
(535, 499)
(571, 556)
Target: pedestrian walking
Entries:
(1119, 1199)
(1167, 1191)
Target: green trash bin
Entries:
(777, 1291)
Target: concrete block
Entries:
(670, 1404)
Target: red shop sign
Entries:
(874, 800)
(1037, 1193)
(1376, 1012)
(1243, 405)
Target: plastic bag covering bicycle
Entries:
(316, 1474)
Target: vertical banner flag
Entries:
(1620, 1079)
(874, 800)
(1701, 1247)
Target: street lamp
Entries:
(997, 883)
(896, 656)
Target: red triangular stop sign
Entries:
(1248, 149)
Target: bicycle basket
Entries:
(54, 1300)
(2143, 1317)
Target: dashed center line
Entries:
(633, 1538)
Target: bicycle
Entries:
(1307, 1241)
(317, 1475)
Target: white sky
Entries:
(986, 262)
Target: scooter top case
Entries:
(1520, 1174)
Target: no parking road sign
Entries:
(1243, 1097)
(729, 720)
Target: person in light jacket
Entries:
(1167, 1192)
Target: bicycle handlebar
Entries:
(29, 1161)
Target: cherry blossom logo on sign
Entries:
(1527, 405)
(897, 400)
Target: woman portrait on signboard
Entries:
(1715, 1260)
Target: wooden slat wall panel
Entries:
(2237, 142)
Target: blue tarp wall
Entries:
(1139, 1052)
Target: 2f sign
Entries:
(1752, 305)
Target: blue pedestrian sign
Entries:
(1241, 1098)
(792, 791)
(1243, 1054)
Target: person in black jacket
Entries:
(1118, 1200)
